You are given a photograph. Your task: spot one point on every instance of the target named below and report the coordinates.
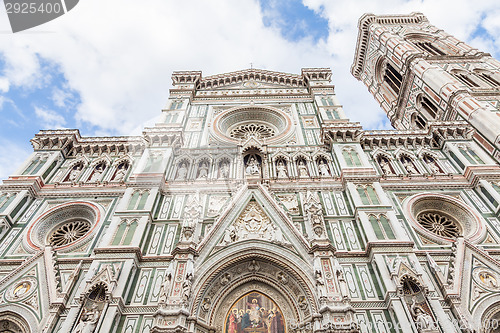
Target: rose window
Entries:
(246, 131)
(439, 224)
(69, 232)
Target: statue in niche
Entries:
(203, 171)
(422, 319)
(408, 165)
(253, 167)
(302, 167)
(121, 171)
(75, 172)
(385, 166)
(432, 164)
(224, 170)
(281, 170)
(88, 320)
(186, 287)
(182, 172)
(165, 287)
(320, 285)
(98, 171)
(323, 169)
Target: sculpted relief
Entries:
(253, 223)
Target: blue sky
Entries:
(105, 66)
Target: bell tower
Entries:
(421, 75)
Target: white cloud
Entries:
(12, 155)
(49, 118)
(119, 54)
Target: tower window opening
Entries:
(393, 78)
(465, 79)
(429, 48)
(428, 107)
(489, 79)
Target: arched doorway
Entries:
(12, 323)
(275, 281)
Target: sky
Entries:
(105, 67)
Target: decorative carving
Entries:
(385, 165)
(121, 172)
(408, 165)
(290, 202)
(203, 170)
(320, 285)
(314, 214)
(432, 164)
(253, 223)
(215, 205)
(75, 172)
(192, 217)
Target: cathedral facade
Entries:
(255, 205)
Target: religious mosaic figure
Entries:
(253, 167)
(255, 313)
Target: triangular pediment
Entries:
(26, 288)
(253, 215)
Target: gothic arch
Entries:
(488, 309)
(19, 318)
(267, 269)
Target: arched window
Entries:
(470, 155)
(6, 199)
(428, 48)
(418, 122)
(326, 101)
(488, 77)
(368, 195)
(393, 79)
(428, 108)
(381, 227)
(35, 165)
(138, 200)
(125, 233)
(465, 78)
(176, 104)
(351, 157)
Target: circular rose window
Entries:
(439, 224)
(69, 232)
(442, 218)
(65, 226)
(252, 122)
